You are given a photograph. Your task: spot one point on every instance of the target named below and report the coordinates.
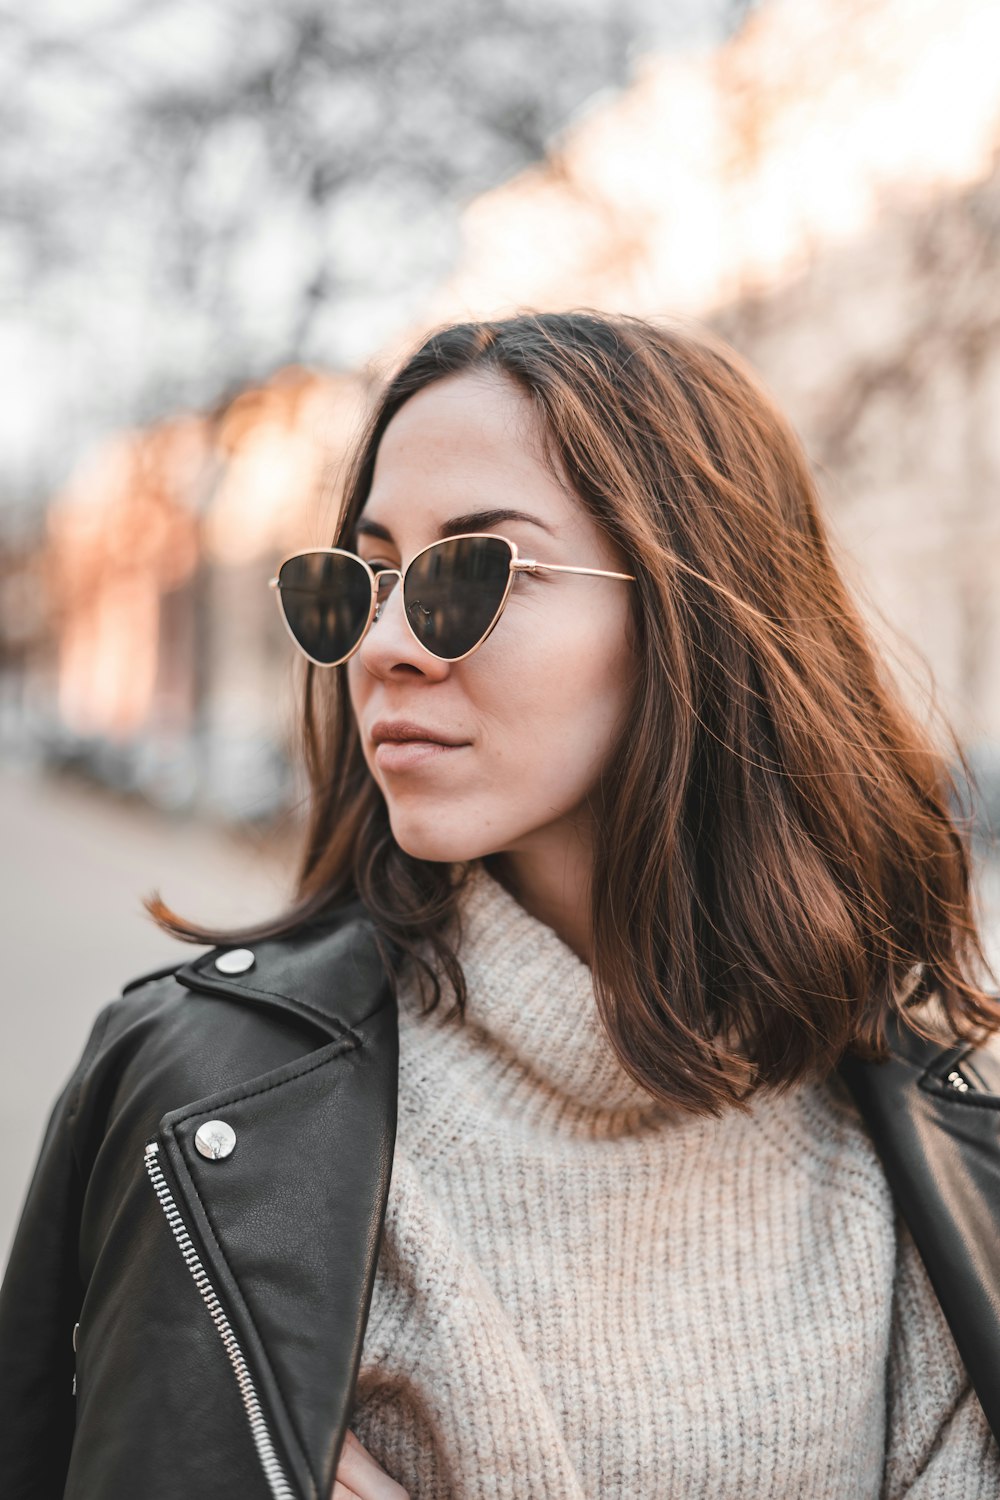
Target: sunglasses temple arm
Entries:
(523, 564)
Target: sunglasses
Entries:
(454, 592)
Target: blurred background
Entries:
(222, 223)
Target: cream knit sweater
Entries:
(579, 1297)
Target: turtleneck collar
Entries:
(531, 1001)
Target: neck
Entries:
(552, 882)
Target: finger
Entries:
(340, 1490)
(362, 1474)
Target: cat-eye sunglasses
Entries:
(454, 592)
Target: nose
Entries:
(390, 642)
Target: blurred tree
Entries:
(193, 193)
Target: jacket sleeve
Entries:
(39, 1304)
(938, 1442)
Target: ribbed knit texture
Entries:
(580, 1296)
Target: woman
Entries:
(619, 768)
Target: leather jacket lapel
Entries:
(933, 1112)
(287, 1226)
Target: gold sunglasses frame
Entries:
(517, 565)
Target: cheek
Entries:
(356, 694)
(359, 688)
(560, 690)
(357, 683)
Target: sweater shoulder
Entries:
(816, 1129)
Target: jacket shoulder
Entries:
(183, 1031)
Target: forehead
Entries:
(464, 445)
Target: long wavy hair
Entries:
(780, 867)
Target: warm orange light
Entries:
(724, 172)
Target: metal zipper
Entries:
(273, 1472)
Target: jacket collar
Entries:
(330, 973)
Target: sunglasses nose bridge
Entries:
(385, 582)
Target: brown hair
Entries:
(778, 867)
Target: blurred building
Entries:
(823, 189)
(168, 671)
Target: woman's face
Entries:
(538, 707)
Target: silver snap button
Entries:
(215, 1139)
(236, 961)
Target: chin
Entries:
(423, 839)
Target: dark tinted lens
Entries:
(453, 592)
(326, 599)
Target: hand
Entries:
(359, 1477)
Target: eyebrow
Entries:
(475, 520)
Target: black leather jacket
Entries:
(217, 1305)
(180, 1326)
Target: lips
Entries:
(406, 731)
